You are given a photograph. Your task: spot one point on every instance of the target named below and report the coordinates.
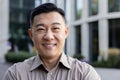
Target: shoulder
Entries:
(83, 69)
(19, 70)
(83, 66)
(25, 65)
(77, 63)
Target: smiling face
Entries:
(48, 33)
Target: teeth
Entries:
(49, 45)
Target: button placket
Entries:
(49, 76)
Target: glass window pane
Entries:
(114, 5)
(78, 39)
(14, 3)
(114, 33)
(93, 7)
(78, 8)
(14, 16)
(19, 23)
(28, 3)
(93, 41)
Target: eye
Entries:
(40, 29)
(56, 29)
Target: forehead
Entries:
(49, 18)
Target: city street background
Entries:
(94, 32)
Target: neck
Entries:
(50, 63)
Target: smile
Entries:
(49, 45)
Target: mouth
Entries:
(49, 45)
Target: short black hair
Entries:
(45, 8)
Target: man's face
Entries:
(48, 34)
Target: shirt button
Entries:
(50, 73)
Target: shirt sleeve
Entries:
(90, 73)
(9, 75)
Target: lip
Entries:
(49, 45)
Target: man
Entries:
(48, 32)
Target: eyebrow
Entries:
(41, 24)
(56, 23)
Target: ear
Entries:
(30, 33)
(66, 32)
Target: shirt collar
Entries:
(36, 63)
(63, 59)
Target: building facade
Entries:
(94, 26)
(19, 23)
(4, 22)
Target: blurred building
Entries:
(4, 23)
(19, 23)
(94, 25)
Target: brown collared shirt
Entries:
(68, 68)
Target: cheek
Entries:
(60, 37)
(36, 39)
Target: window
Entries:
(93, 41)
(14, 15)
(78, 8)
(28, 3)
(14, 3)
(93, 7)
(78, 39)
(114, 33)
(19, 23)
(114, 5)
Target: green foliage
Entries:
(17, 57)
(113, 61)
(78, 56)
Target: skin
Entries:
(48, 33)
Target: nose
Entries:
(48, 35)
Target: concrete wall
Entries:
(4, 20)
